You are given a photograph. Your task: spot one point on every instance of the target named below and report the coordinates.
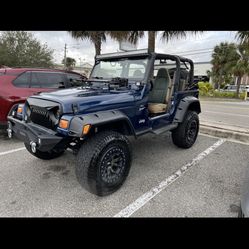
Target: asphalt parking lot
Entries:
(208, 184)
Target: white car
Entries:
(233, 88)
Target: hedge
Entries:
(206, 89)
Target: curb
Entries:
(239, 134)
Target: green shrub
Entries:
(218, 94)
(205, 88)
(242, 95)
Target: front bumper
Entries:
(45, 139)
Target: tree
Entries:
(224, 58)
(242, 65)
(98, 37)
(243, 36)
(70, 63)
(134, 36)
(20, 48)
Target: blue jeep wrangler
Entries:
(127, 94)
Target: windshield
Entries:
(120, 68)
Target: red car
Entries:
(17, 84)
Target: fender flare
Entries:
(97, 119)
(187, 103)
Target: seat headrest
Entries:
(162, 73)
(137, 74)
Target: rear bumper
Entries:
(44, 138)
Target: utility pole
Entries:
(65, 55)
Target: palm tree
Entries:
(243, 36)
(242, 65)
(133, 36)
(224, 58)
(69, 63)
(98, 37)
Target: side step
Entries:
(164, 129)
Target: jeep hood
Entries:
(88, 100)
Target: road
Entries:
(225, 112)
(164, 181)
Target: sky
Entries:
(194, 47)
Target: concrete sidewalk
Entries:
(225, 131)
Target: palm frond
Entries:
(119, 35)
(243, 36)
(134, 36)
(168, 35)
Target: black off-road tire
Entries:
(94, 171)
(44, 155)
(185, 134)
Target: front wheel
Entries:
(103, 162)
(185, 134)
(43, 155)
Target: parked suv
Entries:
(16, 84)
(128, 94)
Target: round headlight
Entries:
(27, 109)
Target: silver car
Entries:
(233, 88)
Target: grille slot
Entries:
(43, 117)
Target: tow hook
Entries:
(33, 146)
(9, 130)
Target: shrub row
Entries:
(206, 89)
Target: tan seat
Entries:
(157, 107)
(161, 92)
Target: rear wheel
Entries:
(185, 134)
(44, 155)
(103, 162)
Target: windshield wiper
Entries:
(97, 77)
(119, 78)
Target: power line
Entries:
(204, 49)
(207, 52)
(195, 50)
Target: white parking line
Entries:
(227, 139)
(11, 151)
(142, 200)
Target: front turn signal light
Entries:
(86, 129)
(63, 124)
(19, 110)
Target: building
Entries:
(244, 80)
(85, 68)
(201, 69)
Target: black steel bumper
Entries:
(44, 138)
